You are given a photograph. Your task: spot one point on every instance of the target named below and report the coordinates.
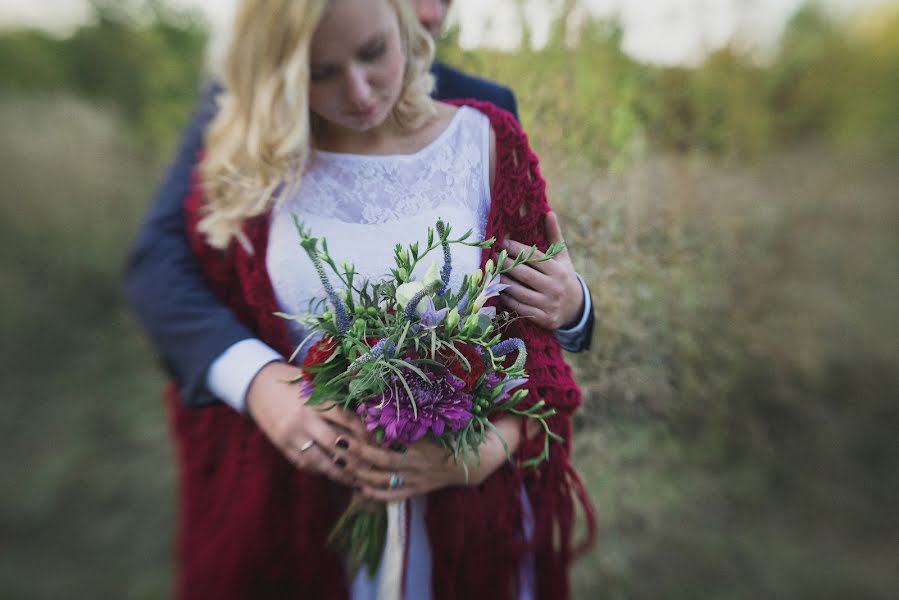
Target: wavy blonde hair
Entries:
(258, 143)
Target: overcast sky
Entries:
(667, 31)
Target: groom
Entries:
(192, 329)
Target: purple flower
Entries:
(439, 402)
(377, 351)
(505, 347)
(507, 385)
(493, 378)
(493, 288)
(463, 304)
(310, 245)
(510, 345)
(447, 258)
(431, 317)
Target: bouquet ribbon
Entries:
(394, 558)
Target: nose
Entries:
(431, 14)
(358, 88)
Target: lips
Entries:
(363, 114)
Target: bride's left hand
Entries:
(426, 466)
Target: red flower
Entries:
(318, 353)
(455, 365)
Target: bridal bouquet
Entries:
(415, 360)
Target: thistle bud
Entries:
(403, 274)
(403, 257)
(359, 310)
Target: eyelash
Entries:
(373, 54)
(320, 76)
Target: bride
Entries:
(327, 115)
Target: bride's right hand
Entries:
(281, 413)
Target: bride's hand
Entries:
(308, 436)
(426, 466)
(547, 292)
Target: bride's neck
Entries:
(334, 138)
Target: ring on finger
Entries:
(307, 445)
(396, 481)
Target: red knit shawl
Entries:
(252, 526)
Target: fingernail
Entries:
(340, 462)
(343, 443)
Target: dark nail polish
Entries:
(343, 443)
(340, 463)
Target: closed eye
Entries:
(373, 50)
(321, 73)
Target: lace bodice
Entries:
(364, 205)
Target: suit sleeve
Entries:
(188, 326)
(577, 338)
(510, 103)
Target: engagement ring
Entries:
(396, 481)
(307, 445)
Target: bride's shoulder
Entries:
(502, 122)
(445, 113)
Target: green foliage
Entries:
(587, 98)
(144, 59)
(580, 95)
(32, 61)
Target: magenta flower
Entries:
(440, 403)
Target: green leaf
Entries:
(401, 341)
(406, 386)
(410, 366)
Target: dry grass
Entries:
(745, 360)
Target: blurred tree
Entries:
(580, 94)
(32, 61)
(144, 58)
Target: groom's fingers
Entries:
(539, 316)
(554, 230)
(527, 274)
(521, 293)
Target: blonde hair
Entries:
(258, 143)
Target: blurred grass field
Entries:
(735, 434)
(739, 427)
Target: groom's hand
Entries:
(548, 292)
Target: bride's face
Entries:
(356, 64)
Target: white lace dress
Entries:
(364, 205)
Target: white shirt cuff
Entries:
(230, 374)
(588, 306)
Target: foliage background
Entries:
(736, 221)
